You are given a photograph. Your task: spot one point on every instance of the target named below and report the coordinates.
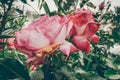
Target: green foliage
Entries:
(100, 64)
(12, 68)
(24, 1)
(5, 36)
(116, 22)
(46, 7)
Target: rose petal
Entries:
(95, 38)
(90, 30)
(36, 40)
(67, 48)
(81, 43)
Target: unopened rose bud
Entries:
(1, 40)
(101, 6)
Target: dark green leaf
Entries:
(3, 43)
(4, 1)
(19, 11)
(37, 74)
(112, 74)
(56, 2)
(90, 4)
(24, 1)
(40, 5)
(78, 75)
(12, 68)
(53, 13)
(45, 6)
(5, 36)
(117, 61)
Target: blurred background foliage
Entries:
(103, 63)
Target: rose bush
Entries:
(43, 36)
(41, 46)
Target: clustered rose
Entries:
(1, 40)
(48, 33)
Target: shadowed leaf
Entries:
(11, 69)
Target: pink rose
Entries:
(41, 33)
(42, 36)
(83, 28)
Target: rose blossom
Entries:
(41, 37)
(84, 27)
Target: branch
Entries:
(3, 22)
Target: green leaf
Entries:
(112, 74)
(40, 5)
(75, 56)
(56, 2)
(37, 74)
(116, 63)
(109, 63)
(66, 71)
(78, 75)
(19, 11)
(5, 36)
(2, 43)
(90, 4)
(45, 6)
(12, 68)
(4, 1)
(24, 1)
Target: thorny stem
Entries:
(3, 21)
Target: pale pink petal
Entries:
(52, 29)
(69, 28)
(80, 30)
(67, 48)
(24, 50)
(36, 40)
(22, 37)
(60, 38)
(37, 23)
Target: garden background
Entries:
(102, 63)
